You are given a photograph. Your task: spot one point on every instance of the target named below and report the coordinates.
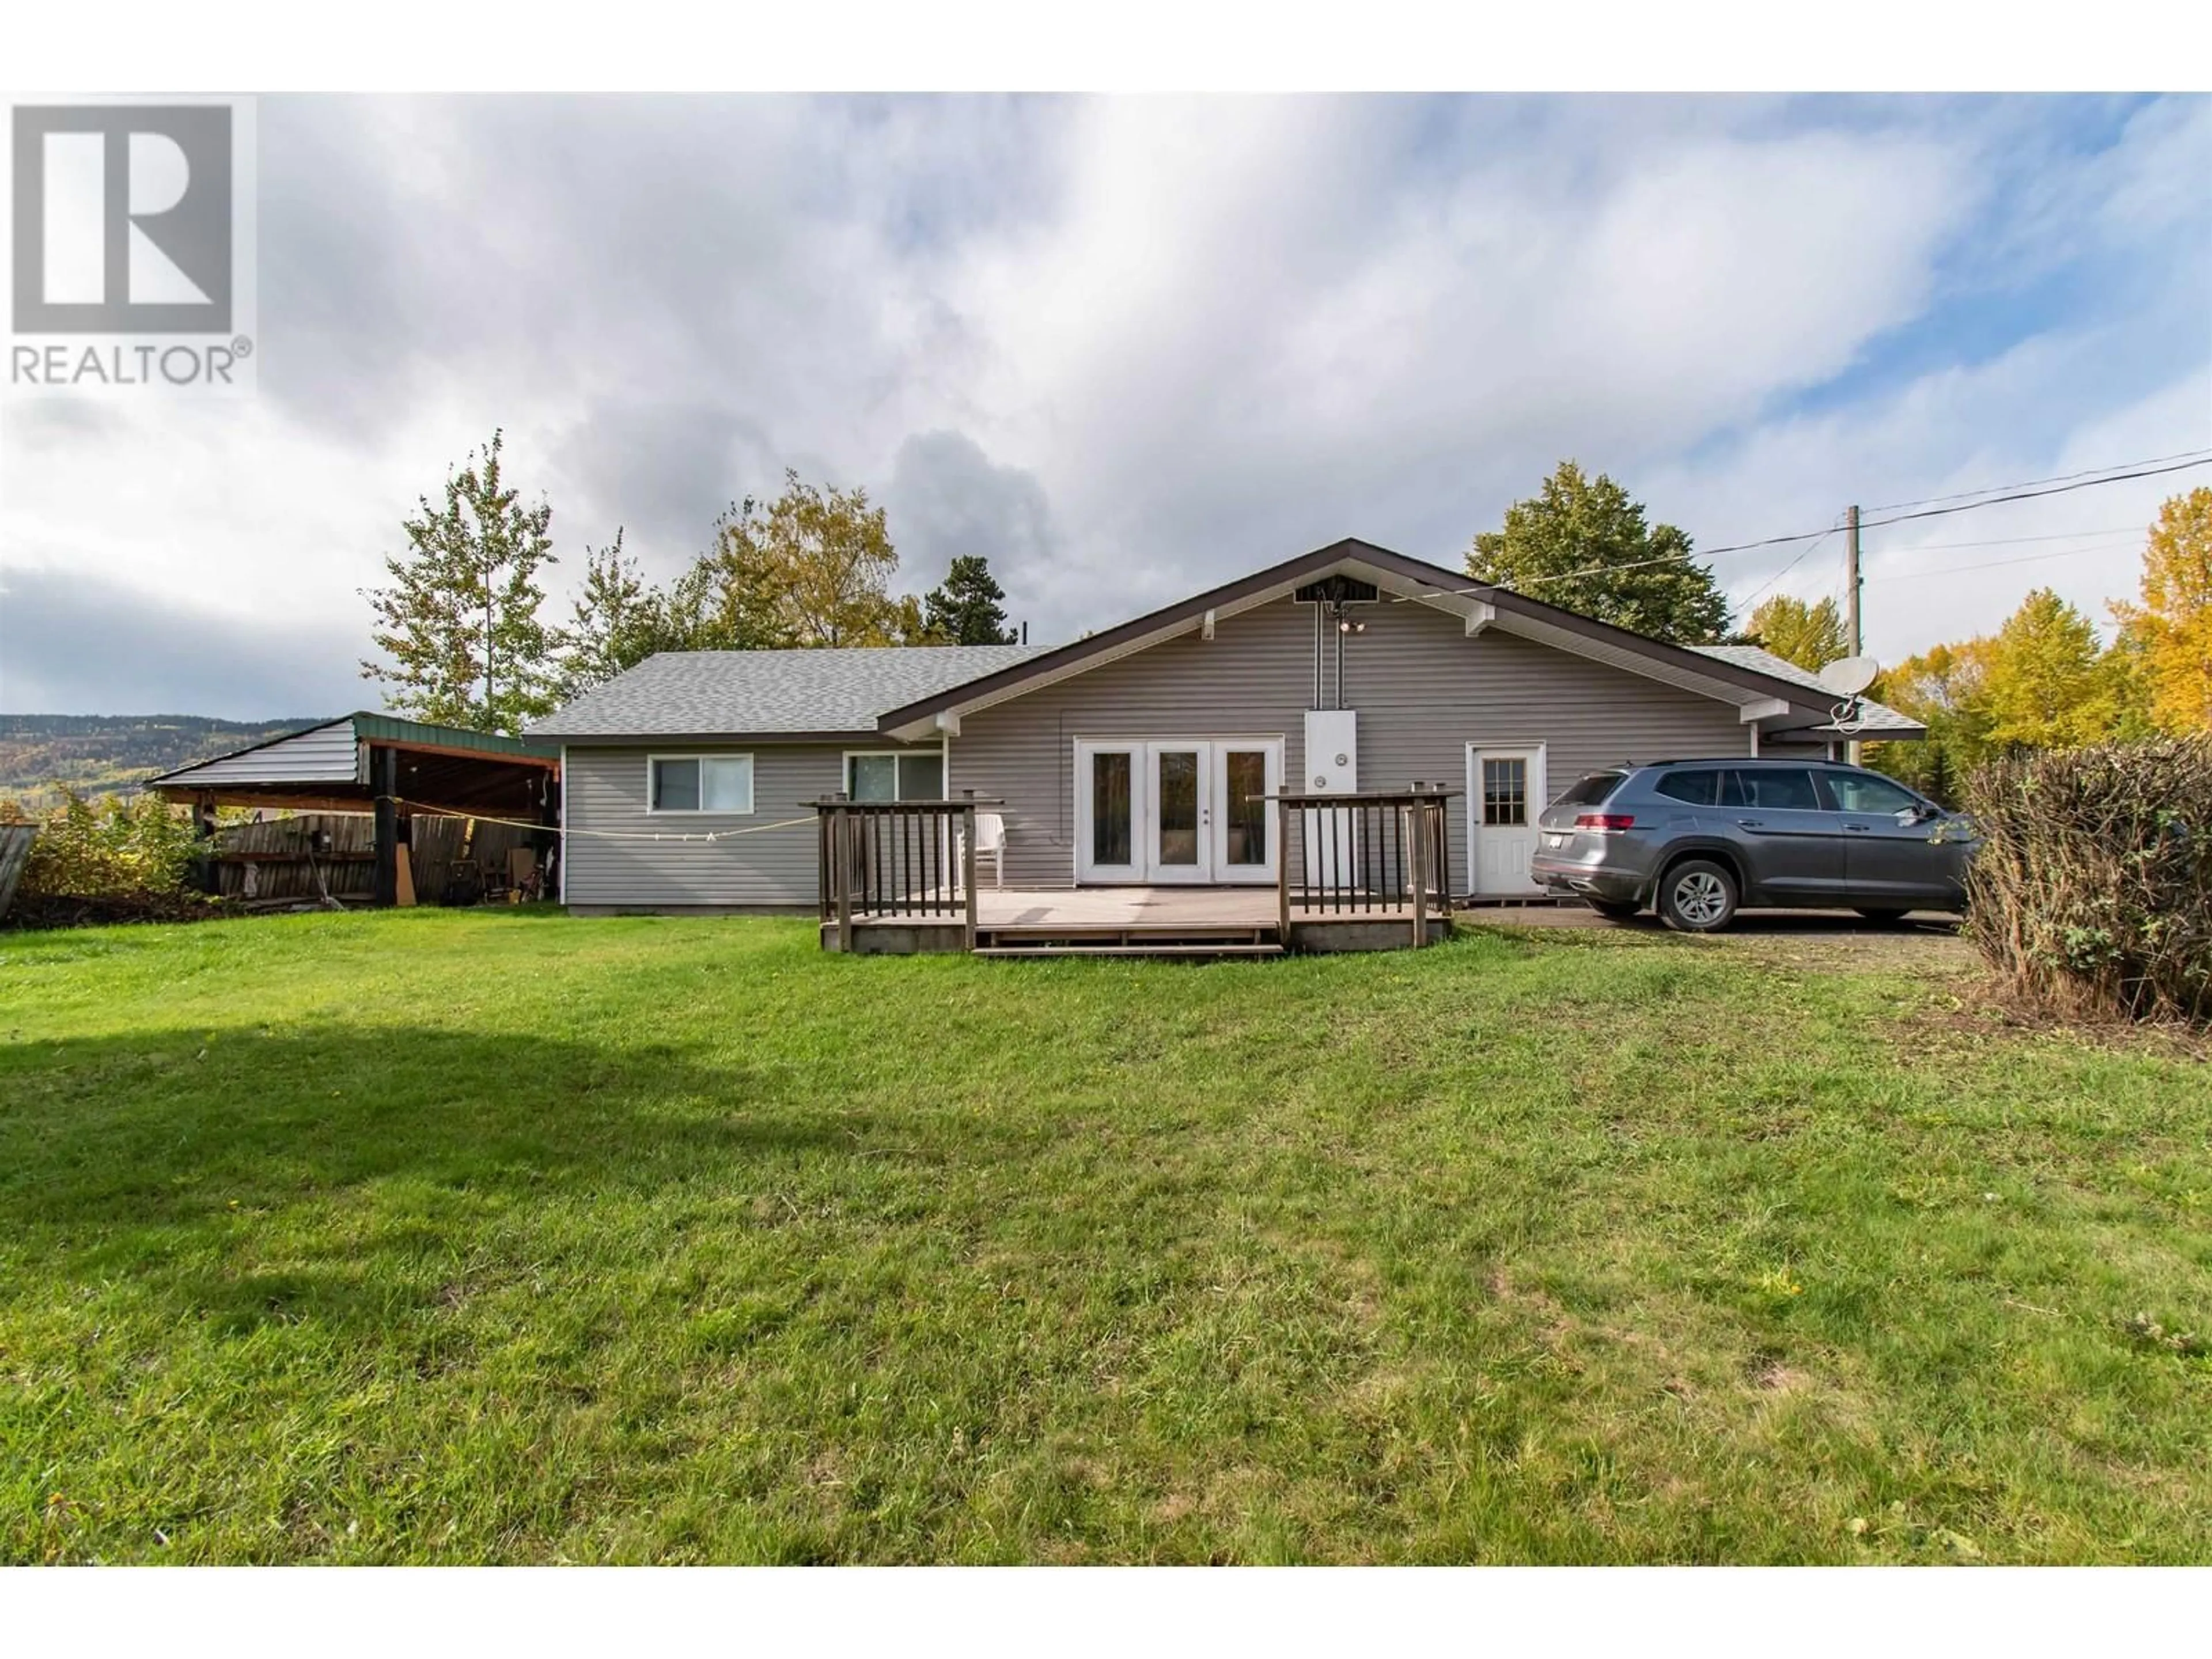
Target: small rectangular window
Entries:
(703, 783)
(676, 786)
(917, 776)
(922, 777)
(725, 783)
(1110, 824)
(1246, 809)
(873, 777)
(1505, 792)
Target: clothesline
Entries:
(601, 834)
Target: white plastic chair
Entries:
(990, 842)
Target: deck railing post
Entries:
(968, 859)
(840, 834)
(1283, 872)
(1419, 876)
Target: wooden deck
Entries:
(1357, 873)
(1143, 922)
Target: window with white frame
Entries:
(702, 783)
(895, 774)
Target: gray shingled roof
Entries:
(743, 693)
(1876, 717)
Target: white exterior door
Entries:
(1505, 791)
(1245, 773)
(1179, 829)
(1111, 790)
(1177, 810)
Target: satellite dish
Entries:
(1849, 676)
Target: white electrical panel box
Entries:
(1331, 751)
(1332, 763)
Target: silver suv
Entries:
(1695, 839)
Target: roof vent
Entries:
(1338, 590)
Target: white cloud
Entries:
(1129, 347)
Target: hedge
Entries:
(109, 849)
(2091, 891)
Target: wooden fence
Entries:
(15, 841)
(299, 859)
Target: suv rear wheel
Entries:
(1697, 896)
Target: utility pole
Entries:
(1852, 601)
(1851, 575)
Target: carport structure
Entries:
(365, 763)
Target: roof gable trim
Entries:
(1406, 581)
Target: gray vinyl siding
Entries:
(605, 789)
(1423, 689)
(1253, 679)
(1800, 749)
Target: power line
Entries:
(2059, 488)
(2036, 495)
(1993, 564)
(1758, 593)
(1902, 518)
(1815, 536)
(2063, 478)
(2015, 541)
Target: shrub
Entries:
(113, 849)
(2092, 891)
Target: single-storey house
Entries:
(1142, 755)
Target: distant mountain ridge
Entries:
(99, 753)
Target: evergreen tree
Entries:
(966, 607)
(1582, 545)
(459, 624)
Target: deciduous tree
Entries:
(1810, 635)
(1942, 688)
(459, 625)
(811, 569)
(616, 622)
(2049, 683)
(1583, 543)
(2170, 632)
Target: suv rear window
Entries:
(1700, 789)
(1593, 790)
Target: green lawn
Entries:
(446, 1237)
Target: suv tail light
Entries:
(1606, 822)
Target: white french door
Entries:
(1170, 811)
(1178, 838)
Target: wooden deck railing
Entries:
(1380, 853)
(909, 860)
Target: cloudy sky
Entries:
(1127, 348)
